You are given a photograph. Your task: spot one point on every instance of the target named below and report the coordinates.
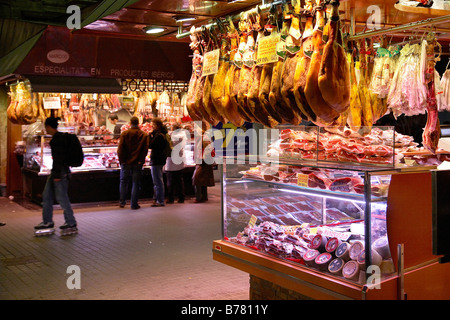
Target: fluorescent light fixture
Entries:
(233, 1)
(183, 19)
(153, 30)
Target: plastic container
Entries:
(342, 251)
(355, 249)
(350, 270)
(323, 260)
(376, 259)
(310, 256)
(318, 242)
(381, 246)
(332, 245)
(335, 266)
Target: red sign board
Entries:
(60, 52)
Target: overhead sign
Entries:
(60, 52)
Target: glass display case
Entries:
(327, 218)
(302, 215)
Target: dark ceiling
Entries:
(129, 21)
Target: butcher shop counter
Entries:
(336, 231)
(97, 180)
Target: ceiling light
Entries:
(183, 19)
(153, 30)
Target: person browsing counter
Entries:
(132, 150)
(175, 164)
(157, 143)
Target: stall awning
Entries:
(74, 84)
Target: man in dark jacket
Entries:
(157, 143)
(58, 181)
(132, 150)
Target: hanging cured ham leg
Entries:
(432, 132)
(287, 75)
(324, 112)
(334, 74)
(254, 104)
(229, 108)
(301, 70)
(285, 111)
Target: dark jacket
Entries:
(118, 128)
(157, 143)
(58, 145)
(133, 146)
(203, 174)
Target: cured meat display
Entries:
(294, 52)
(407, 93)
(302, 67)
(229, 107)
(333, 180)
(328, 249)
(342, 146)
(24, 105)
(432, 131)
(325, 114)
(334, 75)
(278, 104)
(256, 108)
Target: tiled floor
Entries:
(150, 253)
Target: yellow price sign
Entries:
(267, 49)
(252, 221)
(302, 179)
(211, 62)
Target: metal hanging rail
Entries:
(403, 27)
(235, 17)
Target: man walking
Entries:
(57, 183)
(132, 150)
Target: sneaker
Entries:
(157, 205)
(135, 208)
(43, 225)
(66, 226)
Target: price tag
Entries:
(267, 49)
(292, 46)
(252, 221)
(281, 49)
(52, 103)
(302, 179)
(211, 62)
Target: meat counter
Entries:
(97, 179)
(331, 230)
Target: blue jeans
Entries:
(57, 190)
(133, 171)
(158, 183)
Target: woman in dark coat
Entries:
(203, 176)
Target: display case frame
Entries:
(410, 247)
(366, 199)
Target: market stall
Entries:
(337, 207)
(87, 116)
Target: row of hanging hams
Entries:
(312, 82)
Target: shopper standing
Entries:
(132, 150)
(57, 183)
(158, 144)
(175, 164)
(203, 176)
